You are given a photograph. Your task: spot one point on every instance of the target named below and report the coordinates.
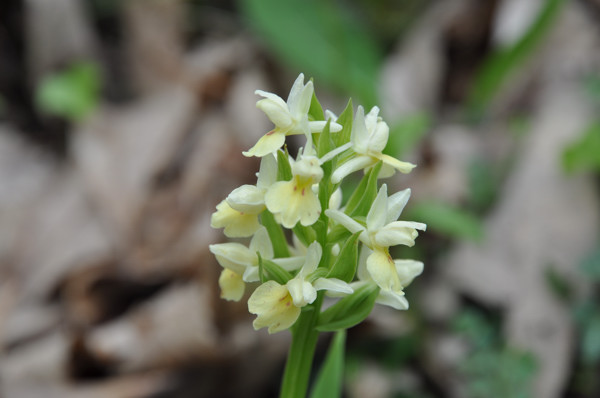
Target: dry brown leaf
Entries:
(119, 153)
(544, 219)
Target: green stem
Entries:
(300, 356)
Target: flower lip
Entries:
(273, 305)
(237, 224)
(294, 200)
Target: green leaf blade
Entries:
(349, 311)
(344, 266)
(273, 271)
(330, 379)
(276, 235)
(284, 170)
(368, 195)
(315, 112)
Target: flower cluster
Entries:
(341, 251)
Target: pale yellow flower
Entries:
(294, 200)
(381, 232)
(406, 271)
(243, 260)
(289, 118)
(238, 213)
(368, 139)
(237, 224)
(303, 287)
(232, 285)
(274, 306)
(278, 306)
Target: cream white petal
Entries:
(353, 285)
(231, 284)
(307, 166)
(378, 211)
(379, 137)
(392, 299)
(359, 135)
(273, 97)
(386, 171)
(333, 153)
(247, 199)
(372, 118)
(300, 104)
(261, 243)
(382, 269)
(330, 115)
(318, 126)
(349, 167)
(302, 292)
(335, 200)
(335, 250)
(296, 90)
(396, 204)
(278, 114)
(392, 236)
(236, 223)
(233, 256)
(408, 270)
(403, 167)
(267, 144)
(290, 263)
(301, 126)
(342, 218)
(267, 173)
(333, 285)
(408, 224)
(251, 274)
(272, 303)
(313, 256)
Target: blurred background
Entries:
(122, 125)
